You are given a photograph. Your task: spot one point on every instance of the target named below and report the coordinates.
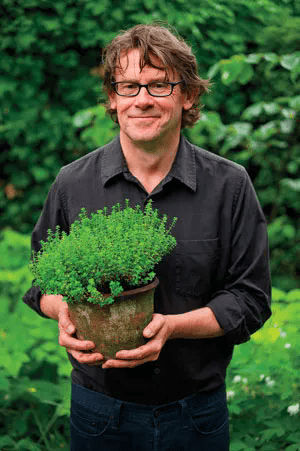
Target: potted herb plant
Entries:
(105, 270)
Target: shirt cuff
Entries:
(230, 317)
(32, 299)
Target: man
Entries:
(214, 288)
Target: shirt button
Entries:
(157, 371)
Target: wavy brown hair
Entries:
(174, 54)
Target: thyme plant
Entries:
(103, 254)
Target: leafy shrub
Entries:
(263, 382)
(106, 253)
(63, 42)
(14, 273)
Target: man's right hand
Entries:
(56, 308)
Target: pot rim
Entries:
(136, 290)
(123, 295)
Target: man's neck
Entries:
(150, 162)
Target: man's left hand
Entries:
(157, 331)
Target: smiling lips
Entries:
(143, 117)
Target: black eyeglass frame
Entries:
(171, 83)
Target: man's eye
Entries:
(129, 86)
(158, 85)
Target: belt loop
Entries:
(116, 414)
(184, 413)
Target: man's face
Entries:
(145, 118)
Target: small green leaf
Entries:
(82, 118)
(271, 108)
(293, 184)
(246, 74)
(271, 57)
(289, 62)
(213, 70)
(293, 295)
(278, 295)
(254, 58)
(252, 111)
(294, 102)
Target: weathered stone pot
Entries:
(115, 326)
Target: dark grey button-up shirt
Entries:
(220, 261)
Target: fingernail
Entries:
(148, 333)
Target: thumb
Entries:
(65, 322)
(154, 326)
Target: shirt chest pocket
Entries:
(196, 264)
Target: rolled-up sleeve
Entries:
(243, 304)
(53, 214)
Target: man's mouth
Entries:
(143, 117)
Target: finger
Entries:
(122, 363)
(64, 321)
(73, 343)
(135, 354)
(89, 359)
(154, 326)
(147, 352)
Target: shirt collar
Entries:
(184, 166)
(113, 160)
(183, 169)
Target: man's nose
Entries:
(143, 97)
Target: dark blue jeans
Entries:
(196, 423)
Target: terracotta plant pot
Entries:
(115, 326)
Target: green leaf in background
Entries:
(289, 62)
(231, 69)
(293, 184)
(295, 102)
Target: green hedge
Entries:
(50, 84)
(263, 383)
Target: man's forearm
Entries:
(200, 323)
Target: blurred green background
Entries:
(52, 113)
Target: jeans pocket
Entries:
(196, 263)
(88, 423)
(210, 421)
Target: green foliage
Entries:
(263, 382)
(34, 370)
(106, 253)
(14, 273)
(50, 64)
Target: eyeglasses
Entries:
(155, 88)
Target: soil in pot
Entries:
(115, 326)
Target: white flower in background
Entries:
(230, 394)
(294, 409)
(261, 377)
(270, 382)
(245, 380)
(237, 379)
(287, 345)
(282, 334)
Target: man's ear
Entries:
(112, 100)
(189, 99)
